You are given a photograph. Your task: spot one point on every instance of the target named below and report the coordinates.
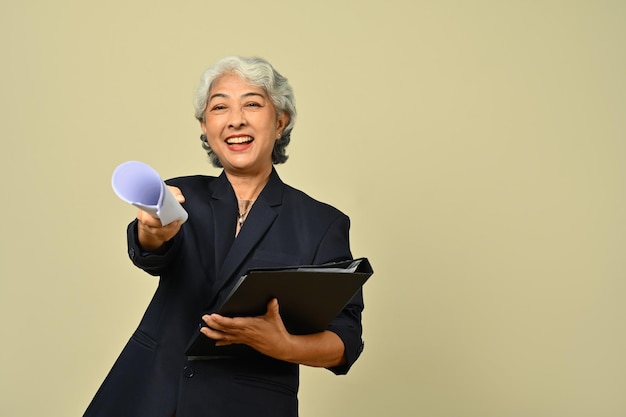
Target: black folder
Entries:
(309, 298)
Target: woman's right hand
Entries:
(152, 234)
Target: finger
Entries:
(214, 327)
(177, 193)
(220, 337)
(273, 307)
(218, 322)
(147, 219)
(209, 321)
(172, 227)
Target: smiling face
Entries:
(241, 126)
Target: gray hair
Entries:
(257, 72)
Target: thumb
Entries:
(272, 307)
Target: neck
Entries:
(248, 187)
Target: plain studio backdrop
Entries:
(479, 148)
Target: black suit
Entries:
(152, 377)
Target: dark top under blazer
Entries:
(152, 376)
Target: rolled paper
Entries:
(140, 185)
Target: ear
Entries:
(282, 121)
(203, 126)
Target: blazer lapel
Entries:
(224, 205)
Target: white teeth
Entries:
(241, 139)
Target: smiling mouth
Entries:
(239, 140)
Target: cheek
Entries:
(213, 127)
(213, 142)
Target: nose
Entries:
(237, 119)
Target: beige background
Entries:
(478, 146)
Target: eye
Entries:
(253, 104)
(218, 107)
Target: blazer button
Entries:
(188, 371)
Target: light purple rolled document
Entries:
(140, 185)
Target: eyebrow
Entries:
(250, 94)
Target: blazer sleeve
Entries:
(153, 263)
(347, 325)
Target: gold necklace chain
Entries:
(241, 215)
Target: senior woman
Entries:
(244, 218)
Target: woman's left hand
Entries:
(267, 333)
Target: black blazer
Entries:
(153, 377)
